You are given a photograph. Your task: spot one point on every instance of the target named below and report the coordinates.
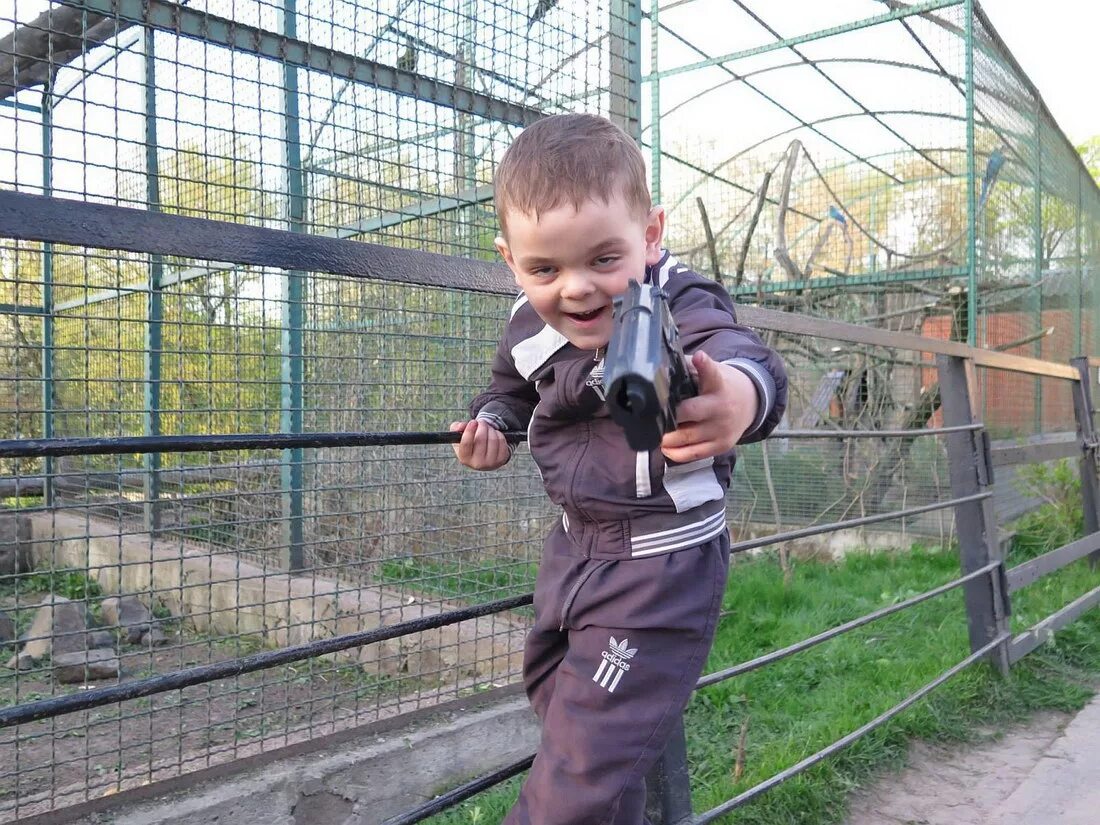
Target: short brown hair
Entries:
(569, 158)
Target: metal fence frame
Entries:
(986, 583)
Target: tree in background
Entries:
(1090, 153)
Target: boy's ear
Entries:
(502, 247)
(654, 235)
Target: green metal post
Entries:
(626, 66)
(1037, 297)
(155, 308)
(971, 201)
(290, 417)
(1079, 342)
(465, 147)
(634, 58)
(49, 467)
(655, 107)
(871, 222)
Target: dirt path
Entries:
(958, 786)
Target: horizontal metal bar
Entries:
(917, 8)
(854, 333)
(421, 209)
(840, 744)
(57, 220)
(1007, 455)
(177, 19)
(96, 697)
(37, 447)
(779, 434)
(1044, 630)
(832, 633)
(8, 103)
(840, 282)
(75, 223)
(21, 309)
(1034, 569)
(416, 211)
(462, 792)
(833, 526)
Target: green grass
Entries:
(805, 702)
(452, 579)
(20, 502)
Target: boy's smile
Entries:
(572, 263)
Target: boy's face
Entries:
(571, 264)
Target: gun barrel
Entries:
(643, 367)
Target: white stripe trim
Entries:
(520, 301)
(642, 486)
(674, 534)
(614, 682)
(492, 419)
(686, 542)
(531, 353)
(599, 672)
(664, 272)
(763, 380)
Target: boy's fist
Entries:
(712, 422)
(482, 447)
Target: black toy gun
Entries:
(645, 370)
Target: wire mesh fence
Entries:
(898, 171)
(891, 165)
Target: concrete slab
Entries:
(358, 782)
(225, 595)
(1062, 788)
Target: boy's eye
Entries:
(542, 270)
(606, 260)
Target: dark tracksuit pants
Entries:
(609, 666)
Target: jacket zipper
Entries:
(572, 595)
(570, 491)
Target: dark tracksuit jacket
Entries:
(631, 579)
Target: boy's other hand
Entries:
(482, 447)
(712, 422)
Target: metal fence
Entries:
(986, 582)
(968, 497)
(883, 162)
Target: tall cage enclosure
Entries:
(871, 161)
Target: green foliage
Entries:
(20, 502)
(453, 579)
(1090, 154)
(1060, 520)
(72, 584)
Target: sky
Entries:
(1056, 43)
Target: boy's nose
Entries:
(577, 285)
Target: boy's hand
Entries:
(712, 422)
(483, 446)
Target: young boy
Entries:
(631, 579)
